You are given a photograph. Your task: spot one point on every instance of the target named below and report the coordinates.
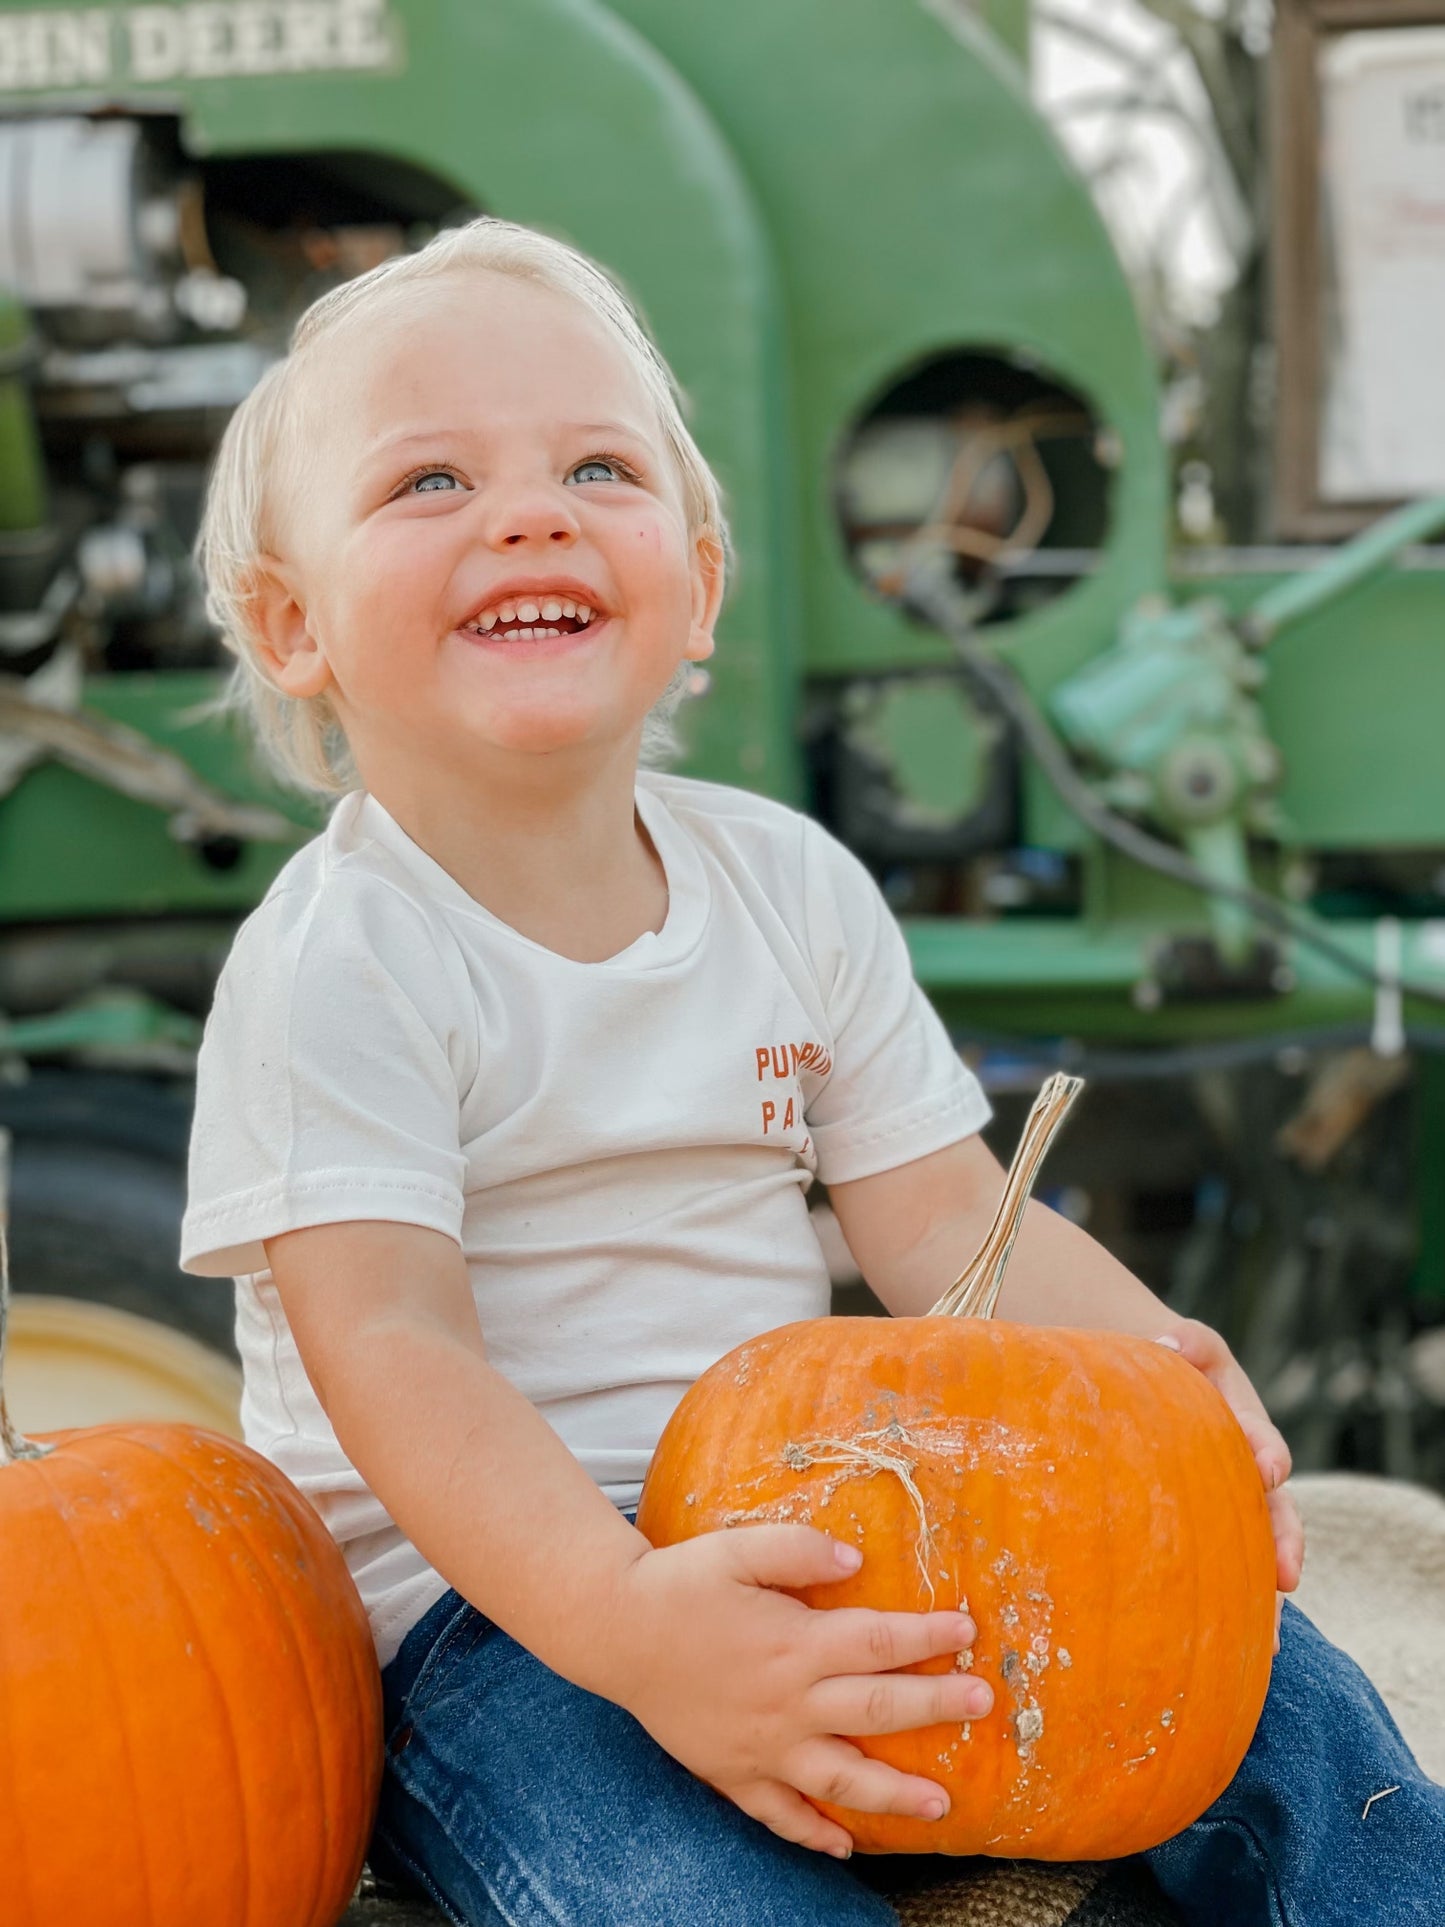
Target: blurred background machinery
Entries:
(1156, 792)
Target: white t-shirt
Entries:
(621, 1148)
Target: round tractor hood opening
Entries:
(985, 454)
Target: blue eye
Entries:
(608, 470)
(434, 479)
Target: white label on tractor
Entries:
(195, 40)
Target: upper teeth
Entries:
(550, 609)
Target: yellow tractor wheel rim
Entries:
(70, 1362)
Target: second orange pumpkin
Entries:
(1089, 1497)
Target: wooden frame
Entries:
(1301, 26)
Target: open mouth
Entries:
(528, 619)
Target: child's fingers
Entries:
(1265, 1440)
(1289, 1538)
(1206, 1351)
(897, 1702)
(784, 1811)
(783, 1555)
(829, 1769)
(855, 1639)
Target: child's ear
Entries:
(707, 594)
(288, 652)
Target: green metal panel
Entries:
(917, 203)
(71, 848)
(1356, 701)
(1355, 697)
(927, 731)
(1061, 978)
(556, 113)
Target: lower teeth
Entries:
(528, 635)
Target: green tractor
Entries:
(1176, 822)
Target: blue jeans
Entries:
(514, 1799)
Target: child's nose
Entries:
(561, 537)
(539, 517)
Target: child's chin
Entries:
(542, 733)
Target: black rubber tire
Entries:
(97, 1191)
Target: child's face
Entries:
(483, 445)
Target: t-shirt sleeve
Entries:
(329, 1076)
(898, 1088)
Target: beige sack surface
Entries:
(1374, 1583)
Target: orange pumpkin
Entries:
(1088, 1497)
(189, 1697)
(188, 1690)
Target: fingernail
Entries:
(1172, 1343)
(848, 1557)
(934, 1809)
(843, 1852)
(980, 1699)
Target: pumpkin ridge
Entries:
(1193, 1690)
(9, 1792)
(222, 1721)
(1022, 1699)
(1197, 1683)
(1131, 1451)
(97, 1620)
(1128, 1457)
(224, 1501)
(302, 1516)
(1240, 1536)
(1144, 1372)
(295, 1653)
(320, 1909)
(1221, 1453)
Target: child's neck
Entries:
(578, 875)
(578, 914)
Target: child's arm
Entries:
(913, 1229)
(747, 1687)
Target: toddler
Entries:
(506, 1110)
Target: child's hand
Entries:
(1203, 1348)
(750, 1689)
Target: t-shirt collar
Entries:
(687, 884)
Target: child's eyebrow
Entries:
(395, 445)
(607, 428)
(389, 447)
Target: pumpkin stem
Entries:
(12, 1445)
(974, 1293)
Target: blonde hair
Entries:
(300, 739)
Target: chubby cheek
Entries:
(395, 571)
(649, 558)
(380, 592)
